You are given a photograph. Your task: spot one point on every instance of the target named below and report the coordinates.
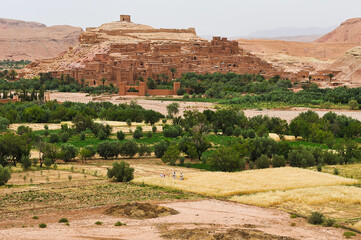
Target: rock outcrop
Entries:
(349, 67)
(348, 32)
(30, 40)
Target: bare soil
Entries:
(140, 210)
(205, 219)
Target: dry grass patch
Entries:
(308, 196)
(357, 225)
(349, 170)
(252, 181)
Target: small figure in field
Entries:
(174, 175)
(181, 177)
(162, 175)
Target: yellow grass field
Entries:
(252, 181)
(309, 196)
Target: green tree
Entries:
(129, 148)
(225, 159)
(103, 82)
(173, 109)
(331, 75)
(4, 175)
(82, 122)
(107, 149)
(262, 162)
(151, 84)
(4, 123)
(86, 153)
(120, 135)
(68, 152)
(122, 172)
(171, 155)
(353, 104)
(174, 71)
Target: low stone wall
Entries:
(155, 92)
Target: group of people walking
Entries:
(174, 176)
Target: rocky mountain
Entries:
(349, 66)
(348, 32)
(30, 40)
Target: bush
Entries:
(4, 175)
(129, 122)
(185, 96)
(237, 131)
(48, 162)
(353, 105)
(35, 217)
(349, 234)
(171, 155)
(108, 149)
(129, 149)
(262, 162)
(4, 123)
(54, 138)
(144, 150)
(335, 171)
(42, 225)
(86, 153)
(64, 137)
(122, 172)
(23, 130)
(25, 163)
(154, 129)
(329, 222)
(316, 218)
(319, 167)
(102, 135)
(82, 136)
(278, 161)
(181, 91)
(160, 148)
(68, 152)
(172, 131)
(225, 159)
(118, 224)
(149, 134)
(120, 135)
(63, 220)
(98, 223)
(137, 134)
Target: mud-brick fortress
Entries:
(127, 54)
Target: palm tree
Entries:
(12, 74)
(103, 81)
(309, 79)
(174, 71)
(331, 75)
(82, 82)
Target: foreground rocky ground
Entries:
(202, 219)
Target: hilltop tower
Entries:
(125, 18)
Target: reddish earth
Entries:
(348, 32)
(30, 40)
(214, 215)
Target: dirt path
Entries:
(211, 214)
(160, 106)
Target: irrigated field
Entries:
(227, 184)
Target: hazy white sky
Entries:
(220, 17)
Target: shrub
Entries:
(262, 162)
(48, 162)
(25, 163)
(120, 135)
(149, 134)
(160, 148)
(63, 220)
(102, 135)
(353, 104)
(329, 222)
(185, 96)
(122, 172)
(86, 153)
(335, 171)
(225, 159)
(23, 130)
(118, 224)
(144, 150)
(278, 161)
(4, 175)
(229, 131)
(4, 123)
(137, 134)
(42, 225)
(98, 223)
(35, 217)
(237, 131)
(82, 136)
(108, 149)
(129, 122)
(181, 91)
(64, 137)
(349, 234)
(172, 131)
(171, 155)
(68, 152)
(316, 218)
(154, 129)
(129, 149)
(54, 138)
(319, 167)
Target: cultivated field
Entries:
(252, 181)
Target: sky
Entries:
(212, 17)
